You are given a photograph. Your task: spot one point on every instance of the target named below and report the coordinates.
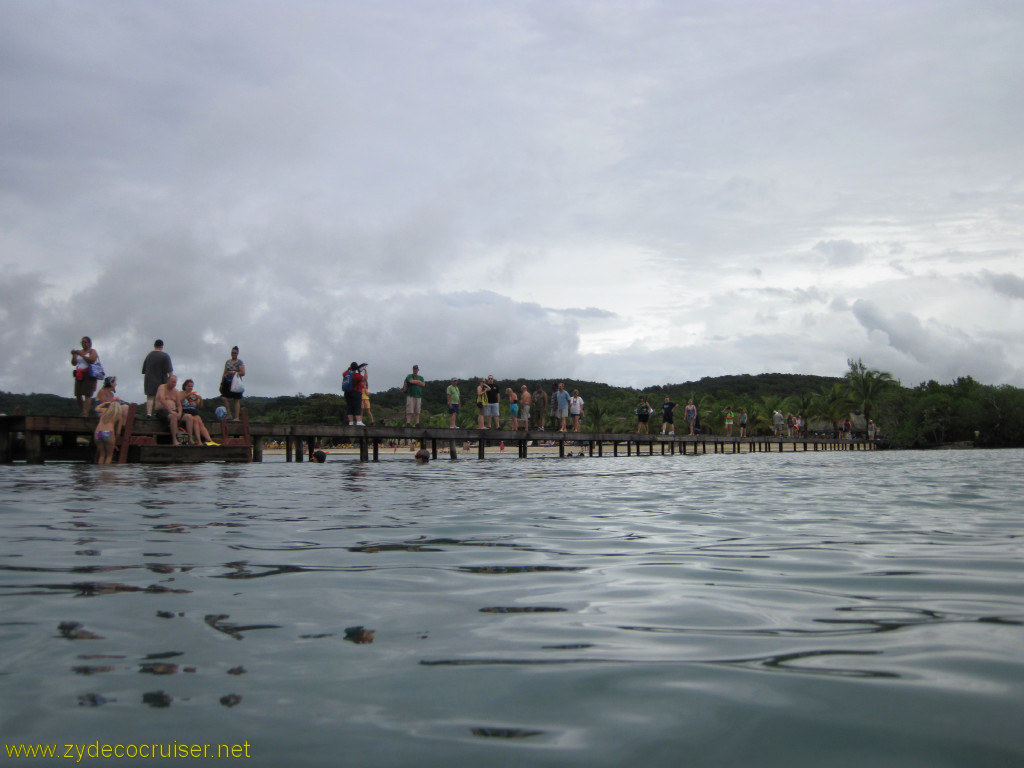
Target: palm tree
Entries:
(832, 404)
(799, 405)
(597, 417)
(764, 412)
(866, 386)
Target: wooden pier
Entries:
(36, 439)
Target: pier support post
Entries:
(33, 447)
(6, 446)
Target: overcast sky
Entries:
(629, 192)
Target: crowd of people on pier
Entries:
(178, 409)
(560, 410)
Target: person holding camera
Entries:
(352, 388)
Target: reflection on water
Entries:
(825, 609)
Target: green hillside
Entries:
(928, 415)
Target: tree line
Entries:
(928, 415)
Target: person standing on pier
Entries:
(85, 381)
(667, 418)
(352, 389)
(576, 409)
(513, 407)
(643, 415)
(743, 422)
(492, 414)
(481, 404)
(690, 414)
(525, 401)
(540, 404)
(365, 399)
(560, 405)
(729, 418)
(230, 389)
(452, 396)
(156, 369)
(413, 388)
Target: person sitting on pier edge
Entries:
(667, 418)
(352, 388)
(165, 403)
(107, 393)
(191, 402)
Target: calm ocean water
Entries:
(807, 609)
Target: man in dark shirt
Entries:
(155, 370)
(667, 419)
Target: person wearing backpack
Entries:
(352, 389)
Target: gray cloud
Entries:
(840, 253)
(1006, 283)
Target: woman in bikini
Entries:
(108, 430)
